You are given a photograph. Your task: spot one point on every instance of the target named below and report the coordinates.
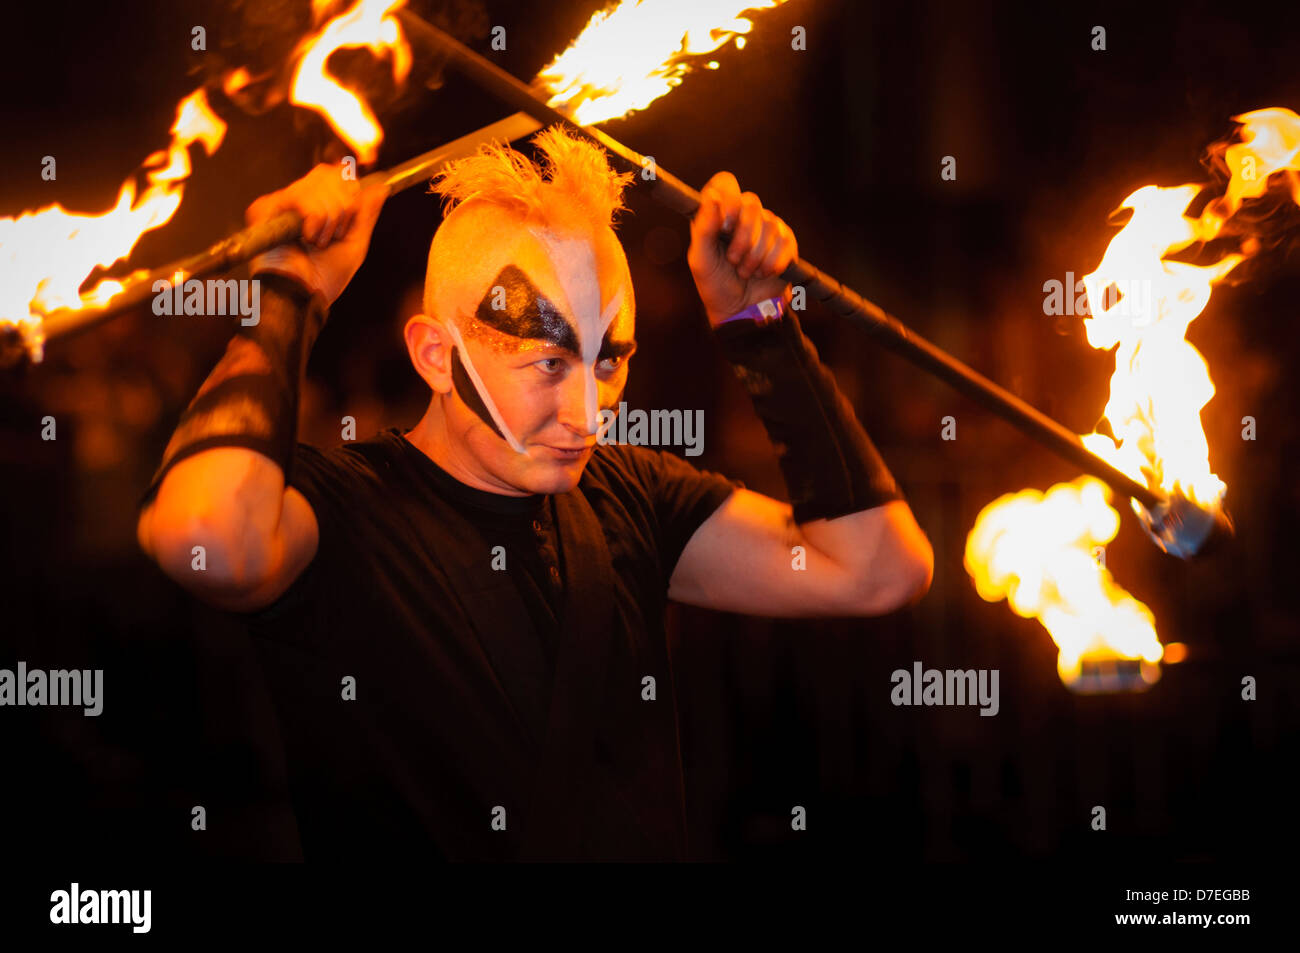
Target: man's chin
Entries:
(557, 476)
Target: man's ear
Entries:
(429, 344)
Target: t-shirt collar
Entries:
(449, 486)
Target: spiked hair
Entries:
(573, 181)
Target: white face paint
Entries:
(483, 394)
(574, 288)
(574, 260)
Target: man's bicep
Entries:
(749, 556)
(293, 547)
(299, 540)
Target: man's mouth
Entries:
(568, 453)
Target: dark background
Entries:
(844, 140)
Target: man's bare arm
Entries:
(222, 484)
(750, 556)
(848, 544)
(257, 536)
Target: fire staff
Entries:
(461, 622)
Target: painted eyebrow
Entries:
(527, 313)
(610, 348)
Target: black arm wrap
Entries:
(830, 465)
(251, 398)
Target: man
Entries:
(462, 624)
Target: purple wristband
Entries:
(765, 312)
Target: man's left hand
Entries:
(747, 270)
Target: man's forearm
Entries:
(831, 467)
(844, 501)
(250, 399)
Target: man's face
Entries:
(540, 355)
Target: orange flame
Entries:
(367, 24)
(1270, 144)
(628, 56)
(1161, 381)
(235, 80)
(46, 255)
(1036, 551)
(74, 245)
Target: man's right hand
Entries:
(338, 218)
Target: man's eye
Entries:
(550, 365)
(612, 364)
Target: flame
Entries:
(1270, 144)
(1035, 550)
(46, 255)
(73, 245)
(235, 80)
(628, 56)
(1161, 381)
(367, 24)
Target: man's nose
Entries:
(580, 402)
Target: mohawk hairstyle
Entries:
(573, 179)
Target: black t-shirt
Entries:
(474, 676)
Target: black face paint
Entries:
(469, 393)
(523, 313)
(527, 313)
(611, 348)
